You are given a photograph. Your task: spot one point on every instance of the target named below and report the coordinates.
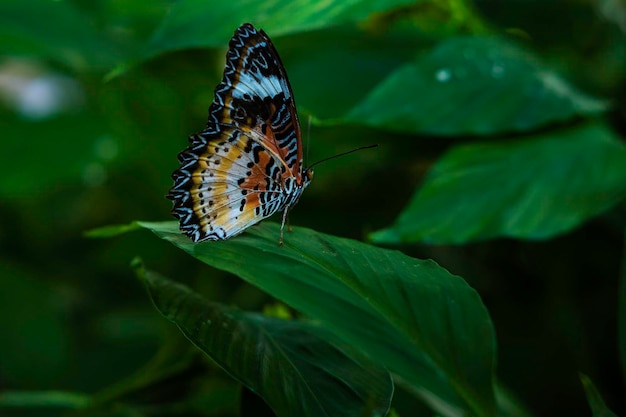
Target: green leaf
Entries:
(598, 408)
(360, 60)
(472, 86)
(532, 188)
(45, 399)
(507, 403)
(412, 316)
(198, 23)
(111, 230)
(56, 30)
(284, 361)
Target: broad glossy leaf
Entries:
(197, 23)
(284, 361)
(532, 188)
(412, 316)
(472, 86)
(598, 407)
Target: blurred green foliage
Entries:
(501, 157)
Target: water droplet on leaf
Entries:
(443, 75)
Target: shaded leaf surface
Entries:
(598, 407)
(294, 370)
(411, 316)
(531, 188)
(346, 63)
(42, 399)
(196, 23)
(472, 86)
(55, 30)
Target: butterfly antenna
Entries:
(343, 153)
(308, 138)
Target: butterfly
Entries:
(247, 163)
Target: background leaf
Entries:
(598, 407)
(34, 399)
(27, 29)
(531, 188)
(469, 86)
(193, 23)
(411, 316)
(294, 370)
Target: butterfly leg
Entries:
(282, 226)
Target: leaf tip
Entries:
(115, 72)
(389, 235)
(109, 231)
(138, 268)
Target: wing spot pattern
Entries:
(247, 162)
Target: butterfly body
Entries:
(247, 163)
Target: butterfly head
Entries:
(307, 176)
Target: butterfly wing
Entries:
(255, 94)
(233, 173)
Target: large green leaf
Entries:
(410, 315)
(532, 188)
(598, 407)
(196, 23)
(472, 86)
(288, 365)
